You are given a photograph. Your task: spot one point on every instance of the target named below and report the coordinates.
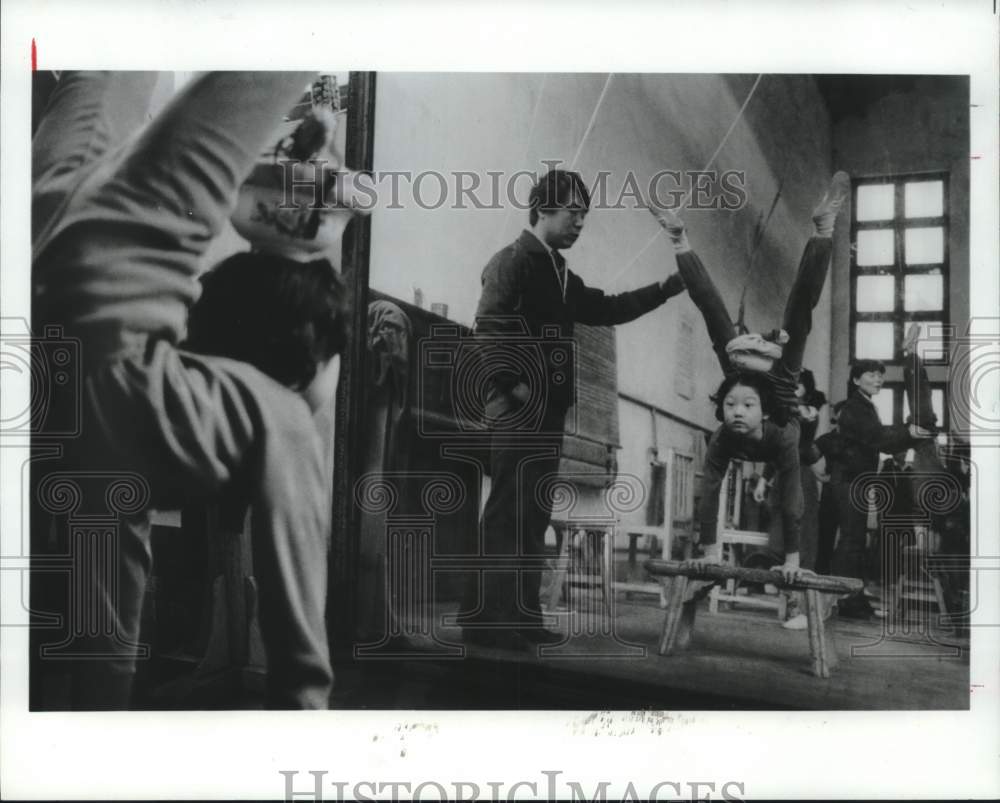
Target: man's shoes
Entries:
(826, 211)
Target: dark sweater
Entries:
(522, 300)
(779, 448)
(863, 436)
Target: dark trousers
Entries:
(826, 531)
(515, 518)
(849, 557)
(797, 321)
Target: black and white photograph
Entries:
(642, 400)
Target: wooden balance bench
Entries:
(679, 619)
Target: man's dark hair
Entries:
(760, 383)
(554, 190)
(859, 367)
(282, 316)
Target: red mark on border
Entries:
(34, 55)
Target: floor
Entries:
(739, 658)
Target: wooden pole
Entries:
(721, 573)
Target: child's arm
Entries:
(713, 474)
(789, 483)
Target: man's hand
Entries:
(760, 491)
(712, 557)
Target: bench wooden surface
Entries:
(721, 572)
(680, 614)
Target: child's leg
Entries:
(700, 287)
(803, 298)
(706, 297)
(811, 276)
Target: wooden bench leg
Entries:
(817, 635)
(672, 619)
(559, 573)
(942, 606)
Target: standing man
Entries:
(530, 294)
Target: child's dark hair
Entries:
(812, 397)
(761, 384)
(554, 190)
(859, 367)
(282, 316)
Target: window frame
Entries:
(899, 270)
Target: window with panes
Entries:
(899, 275)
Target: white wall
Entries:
(510, 122)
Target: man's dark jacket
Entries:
(522, 303)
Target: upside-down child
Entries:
(757, 402)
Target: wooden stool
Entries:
(679, 619)
(918, 583)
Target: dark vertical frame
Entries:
(359, 155)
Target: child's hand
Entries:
(674, 226)
(669, 220)
(819, 470)
(791, 570)
(760, 491)
(919, 432)
(712, 557)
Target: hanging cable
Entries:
(527, 148)
(758, 238)
(593, 118)
(687, 197)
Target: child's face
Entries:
(870, 382)
(742, 412)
